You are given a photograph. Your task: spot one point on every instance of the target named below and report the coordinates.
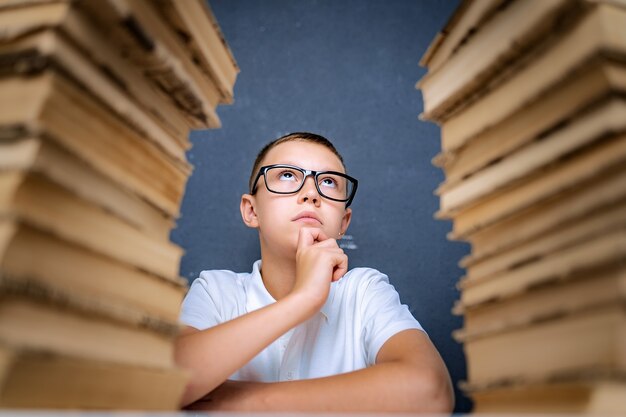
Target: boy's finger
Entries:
(305, 238)
(328, 243)
(320, 235)
(341, 268)
(310, 235)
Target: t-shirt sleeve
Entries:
(199, 308)
(383, 314)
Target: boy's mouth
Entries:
(307, 217)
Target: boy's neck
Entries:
(278, 273)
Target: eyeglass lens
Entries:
(289, 180)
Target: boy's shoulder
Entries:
(362, 278)
(365, 274)
(366, 290)
(363, 271)
(220, 274)
(222, 279)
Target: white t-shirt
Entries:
(361, 313)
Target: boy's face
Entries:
(278, 217)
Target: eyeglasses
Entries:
(289, 179)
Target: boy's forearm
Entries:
(214, 354)
(385, 387)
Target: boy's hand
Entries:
(319, 261)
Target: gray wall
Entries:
(345, 69)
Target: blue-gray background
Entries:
(345, 69)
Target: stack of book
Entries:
(97, 100)
(531, 99)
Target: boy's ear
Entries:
(345, 221)
(248, 213)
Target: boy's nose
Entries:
(309, 192)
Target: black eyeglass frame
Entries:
(307, 173)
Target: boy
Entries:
(301, 332)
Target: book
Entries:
(37, 200)
(149, 21)
(59, 326)
(603, 119)
(38, 378)
(32, 257)
(583, 341)
(37, 155)
(557, 298)
(50, 105)
(468, 18)
(571, 206)
(577, 395)
(562, 104)
(596, 252)
(204, 41)
(62, 17)
(48, 48)
(98, 100)
(601, 32)
(492, 50)
(150, 44)
(6, 356)
(567, 235)
(532, 116)
(606, 156)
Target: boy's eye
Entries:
(328, 182)
(287, 176)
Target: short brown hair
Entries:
(301, 136)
